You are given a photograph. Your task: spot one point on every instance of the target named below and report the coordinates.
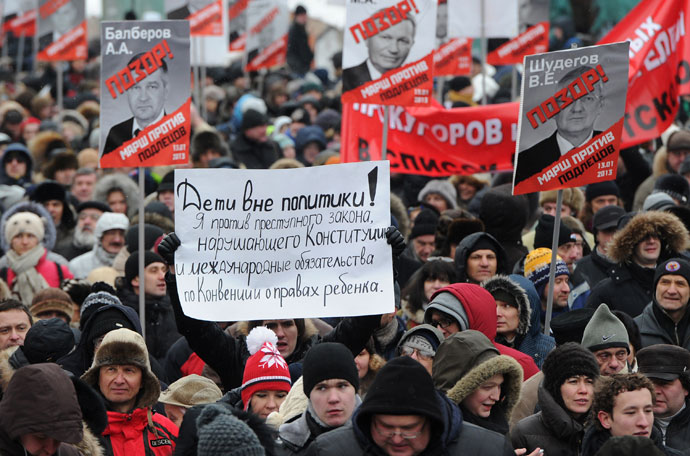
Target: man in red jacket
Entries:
(122, 373)
(463, 306)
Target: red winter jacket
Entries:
(480, 308)
(129, 434)
(48, 269)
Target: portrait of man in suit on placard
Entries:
(61, 21)
(146, 101)
(387, 50)
(574, 128)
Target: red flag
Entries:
(659, 66)
(453, 58)
(534, 40)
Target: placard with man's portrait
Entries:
(388, 52)
(571, 117)
(145, 93)
(61, 30)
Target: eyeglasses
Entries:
(388, 434)
(442, 322)
(605, 357)
(421, 354)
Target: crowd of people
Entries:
(461, 364)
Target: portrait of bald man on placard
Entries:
(146, 100)
(387, 50)
(574, 127)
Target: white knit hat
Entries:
(24, 222)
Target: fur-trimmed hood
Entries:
(399, 211)
(670, 230)
(124, 346)
(41, 145)
(50, 234)
(660, 164)
(124, 183)
(506, 284)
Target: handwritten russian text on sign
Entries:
(61, 30)
(145, 93)
(388, 52)
(271, 244)
(571, 116)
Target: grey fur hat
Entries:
(443, 188)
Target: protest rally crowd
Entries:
(460, 364)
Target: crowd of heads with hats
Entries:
(519, 326)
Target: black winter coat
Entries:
(254, 155)
(227, 355)
(678, 431)
(591, 269)
(595, 438)
(456, 438)
(552, 429)
(656, 327)
(628, 288)
(299, 54)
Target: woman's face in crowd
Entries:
(507, 319)
(117, 202)
(466, 191)
(287, 334)
(23, 242)
(480, 402)
(577, 393)
(437, 201)
(362, 362)
(264, 402)
(433, 285)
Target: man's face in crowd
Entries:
(389, 49)
(424, 246)
(481, 265)
(507, 319)
(632, 414)
(647, 251)
(120, 385)
(604, 238)
(481, 401)
(167, 197)
(155, 280)
(113, 240)
(576, 121)
(423, 357)
(14, 324)
(611, 360)
(603, 201)
(676, 157)
(257, 133)
(670, 397)
(23, 242)
(561, 290)
(437, 201)
(444, 322)
(310, 152)
(15, 167)
(65, 176)
(55, 207)
(672, 293)
(147, 97)
(571, 252)
(400, 435)
(550, 209)
(48, 314)
(88, 218)
(287, 333)
(175, 413)
(117, 202)
(333, 401)
(82, 186)
(30, 130)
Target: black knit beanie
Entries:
(543, 233)
(565, 361)
(132, 263)
(674, 266)
(106, 321)
(425, 223)
(326, 361)
(600, 189)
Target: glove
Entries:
(167, 248)
(396, 241)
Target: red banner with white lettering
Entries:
(268, 25)
(659, 66)
(237, 24)
(70, 46)
(453, 58)
(208, 21)
(23, 24)
(433, 141)
(534, 40)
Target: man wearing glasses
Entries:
(420, 343)
(574, 128)
(606, 337)
(402, 414)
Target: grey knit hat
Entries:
(221, 433)
(605, 330)
(443, 188)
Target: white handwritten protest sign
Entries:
(292, 243)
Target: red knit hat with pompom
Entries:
(265, 369)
